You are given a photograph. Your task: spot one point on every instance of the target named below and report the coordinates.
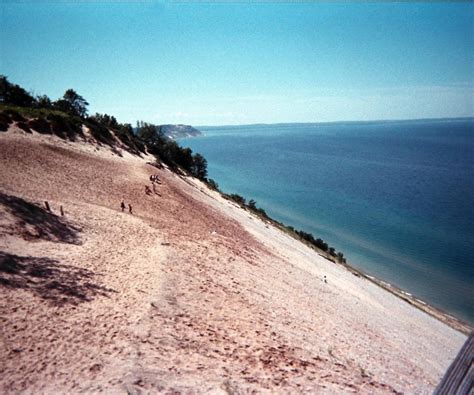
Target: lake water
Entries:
(395, 197)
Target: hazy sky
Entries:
(214, 64)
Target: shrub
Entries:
(65, 126)
(100, 132)
(41, 125)
(5, 118)
(321, 244)
(14, 115)
(23, 126)
(4, 121)
(213, 185)
(252, 205)
(237, 198)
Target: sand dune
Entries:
(189, 294)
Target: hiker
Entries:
(130, 208)
(151, 178)
(122, 205)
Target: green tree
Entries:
(126, 128)
(72, 103)
(321, 244)
(213, 185)
(106, 120)
(238, 199)
(14, 94)
(44, 101)
(199, 168)
(184, 158)
(149, 134)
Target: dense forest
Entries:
(66, 116)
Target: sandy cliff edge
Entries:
(190, 293)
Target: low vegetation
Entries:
(67, 116)
(319, 244)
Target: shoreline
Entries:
(438, 313)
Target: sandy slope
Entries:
(189, 294)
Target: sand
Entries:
(189, 294)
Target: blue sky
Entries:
(236, 63)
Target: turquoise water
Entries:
(394, 197)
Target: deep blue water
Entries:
(395, 197)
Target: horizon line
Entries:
(334, 122)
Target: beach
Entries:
(189, 293)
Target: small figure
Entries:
(151, 178)
(130, 208)
(62, 211)
(147, 189)
(154, 188)
(122, 205)
(325, 280)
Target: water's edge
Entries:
(442, 279)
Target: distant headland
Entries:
(179, 131)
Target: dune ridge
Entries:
(189, 294)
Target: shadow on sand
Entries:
(33, 222)
(50, 280)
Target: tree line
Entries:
(13, 94)
(67, 114)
